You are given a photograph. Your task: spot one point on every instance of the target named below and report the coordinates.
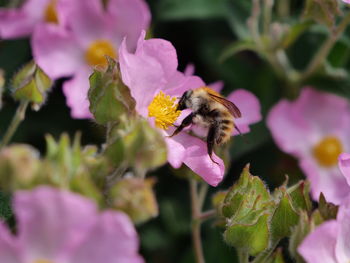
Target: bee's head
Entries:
(185, 100)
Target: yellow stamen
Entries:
(96, 52)
(163, 109)
(327, 151)
(43, 261)
(50, 14)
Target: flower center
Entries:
(96, 52)
(163, 109)
(327, 151)
(50, 14)
(43, 261)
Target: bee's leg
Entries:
(211, 141)
(187, 121)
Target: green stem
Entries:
(253, 23)
(268, 4)
(17, 119)
(264, 256)
(326, 47)
(283, 8)
(243, 256)
(196, 222)
(207, 215)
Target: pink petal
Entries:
(87, 20)
(249, 106)
(329, 181)
(76, 92)
(15, 23)
(217, 86)
(189, 70)
(176, 152)
(51, 222)
(161, 50)
(179, 83)
(9, 250)
(128, 18)
(344, 165)
(326, 113)
(112, 239)
(196, 158)
(319, 246)
(291, 133)
(142, 73)
(343, 240)
(56, 51)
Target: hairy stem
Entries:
(196, 222)
(326, 47)
(243, 256)
(16, 120)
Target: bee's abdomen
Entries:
(225, 129)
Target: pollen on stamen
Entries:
(163, 109)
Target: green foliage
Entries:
(256, 220)
(322, 11)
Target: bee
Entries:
(211, 111)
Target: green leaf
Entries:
(189, 9)
(284, 217)
(327, 210)
(299, 232)
(322, 11)
(237, 47)
(294, 32)
(252, 237)
(249, 194)
(300, 196)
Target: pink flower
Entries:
(151, 72)
(59, 226)
(20, 22)
(91, 32)
(330, 242)
(315, 129)
(346, 1)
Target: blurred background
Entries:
(200, 30)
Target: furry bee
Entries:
(212, 111)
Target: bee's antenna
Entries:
(241, 134)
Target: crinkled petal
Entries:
(180, 83)
(128, 18)
(343, 240)
(344, 165)
(76, 92)
(56, 51)
(51, 221)
(329, 181)
(319, 246)
(189, 70)
(197, 159)
(9, 250)
(143, 74)
(175, 152)
(112, 239)
(15, 23)
(249, 106)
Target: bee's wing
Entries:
(233, 109)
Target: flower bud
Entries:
(31, 84)
(136, 198)
(19, 164)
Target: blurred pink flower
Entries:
(153, 69)
(346, 1)
(59, 226)
(20, 22)
(91, 31)
(330, 242)
(315, 129)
